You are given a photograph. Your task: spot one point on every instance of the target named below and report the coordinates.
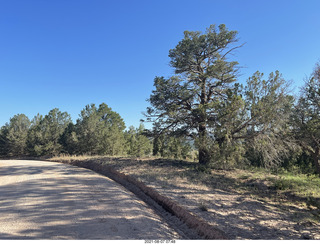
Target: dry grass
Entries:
(69, 158)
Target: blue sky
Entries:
(70, 53)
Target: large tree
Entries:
(306, 119)
(100, 131)
(184, 104)
(203, 101)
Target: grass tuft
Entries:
(203, 207)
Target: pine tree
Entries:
(13, 136)
(204, 103)
(138, 145)
(45, 133)
(69, 140)
(100, 131)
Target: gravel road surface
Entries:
(46, 200)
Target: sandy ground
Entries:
(243, 217)
(240, 215)
(46, 200)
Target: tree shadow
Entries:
(65, 202)
(241, 216)
(246, 216)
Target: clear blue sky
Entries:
(70, 53)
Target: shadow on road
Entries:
(63, 202)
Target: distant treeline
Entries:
(98, 131)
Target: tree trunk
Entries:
(204, 154)
(316, 160)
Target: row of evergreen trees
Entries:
(98, 131)
(101, 131)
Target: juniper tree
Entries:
(262, 123)
(306, 119)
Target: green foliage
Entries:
(257, 121)
(299, 162)
(13, 136)
(203, 56)
(172, 147)
(100, 131)
(228, 155)
(225, 120)
(306, 118)
(300, 184)
(138, 145)
(69, 140)
(45, 132)
(185, 104)
(3, 142)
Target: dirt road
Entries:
(45, 200)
